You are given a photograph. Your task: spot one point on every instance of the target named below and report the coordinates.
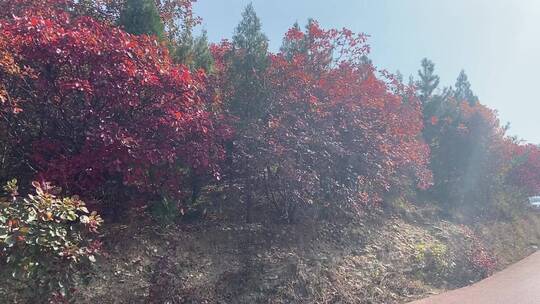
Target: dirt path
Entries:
(518, 284)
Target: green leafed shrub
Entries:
(46, 243)
(433, 262)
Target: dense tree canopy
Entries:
(91, 107)
(473, 161)
(103, 107)
(330, 129)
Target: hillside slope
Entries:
(386, 258)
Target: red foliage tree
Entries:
(104, 107)
(525, 172)
(10, 71)
(334, 132)
(177, 15)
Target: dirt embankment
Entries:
(383, 259)
(516, 284)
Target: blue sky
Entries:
(497, 42)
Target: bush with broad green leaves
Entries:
(47, 244)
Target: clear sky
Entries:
(497, 42)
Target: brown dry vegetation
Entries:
(404, 254)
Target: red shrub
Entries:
(105, 107)
(479, 257)
(525, 172)
(334, 131)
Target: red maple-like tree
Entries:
(102, 106)
(332, 132)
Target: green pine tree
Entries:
(249, 61)
(249, 36)
(194, 52)
(141, 17)
(463, 90)
(428, 80)
(183, 48)
(202, 56)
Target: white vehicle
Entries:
(534, 202)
